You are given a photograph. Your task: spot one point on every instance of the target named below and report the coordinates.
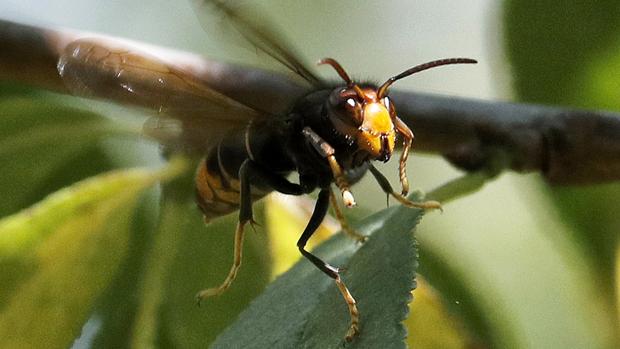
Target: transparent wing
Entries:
(241, 23)
(190, 114)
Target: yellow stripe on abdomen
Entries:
(217, 196)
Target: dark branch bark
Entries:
(27, 55)
(567, 146)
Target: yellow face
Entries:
(377, 134)
(362, 116)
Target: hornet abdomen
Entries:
(217, 178)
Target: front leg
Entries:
(320, 209)
(327, 151)
(404, 130)
(344, 226)
(387, 188)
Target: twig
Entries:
(469, 183)
(567, 146)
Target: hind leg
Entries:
(249, 173)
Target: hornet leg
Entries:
(387, 188)
(327, 151)
(404, 130)
(249, 172)
(322, 204)
(343, 222)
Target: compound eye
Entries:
(354, 109)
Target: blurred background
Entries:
(518, 264)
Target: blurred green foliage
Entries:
(568, 54)
(46, 144)
(64, 252)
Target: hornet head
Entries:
(365, 115)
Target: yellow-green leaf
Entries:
(66, 249)
(40, 137)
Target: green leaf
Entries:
(550, 47)
(303, 307)
(38, 139)
(116, 309)
(152, 302)
(158, 262)
(67, 249)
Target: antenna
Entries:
(418, 68)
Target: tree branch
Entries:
(567, 146)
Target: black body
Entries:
(278, 147)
